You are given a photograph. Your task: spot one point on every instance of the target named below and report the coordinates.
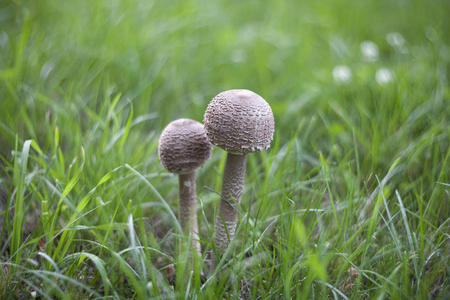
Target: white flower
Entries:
(395, 39)
(384, 76)
(239, 55)
(369, 51)
(342, 74)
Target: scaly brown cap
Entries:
(239, 121)
(183, 146)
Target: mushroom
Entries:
(183, 149)
(240, 122)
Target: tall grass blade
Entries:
(20, 171)
(408, 232)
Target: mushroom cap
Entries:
(239, 121)
(183, 146)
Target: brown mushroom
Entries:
(183, 149)
(240, 122)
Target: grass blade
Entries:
(20, 171)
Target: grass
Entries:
(351, 201)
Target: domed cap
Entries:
(183, 146)
(239, 121)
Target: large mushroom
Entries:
(183, 149)
(240, 122)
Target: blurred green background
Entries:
(62, 58)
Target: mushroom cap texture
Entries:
(183, 146)
(239, 121)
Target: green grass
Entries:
(352, 200)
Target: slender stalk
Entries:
(187, 208)
(227, 216)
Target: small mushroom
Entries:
(240, 122)
(183, 149)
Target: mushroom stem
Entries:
(232, 187)
(187, 208)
